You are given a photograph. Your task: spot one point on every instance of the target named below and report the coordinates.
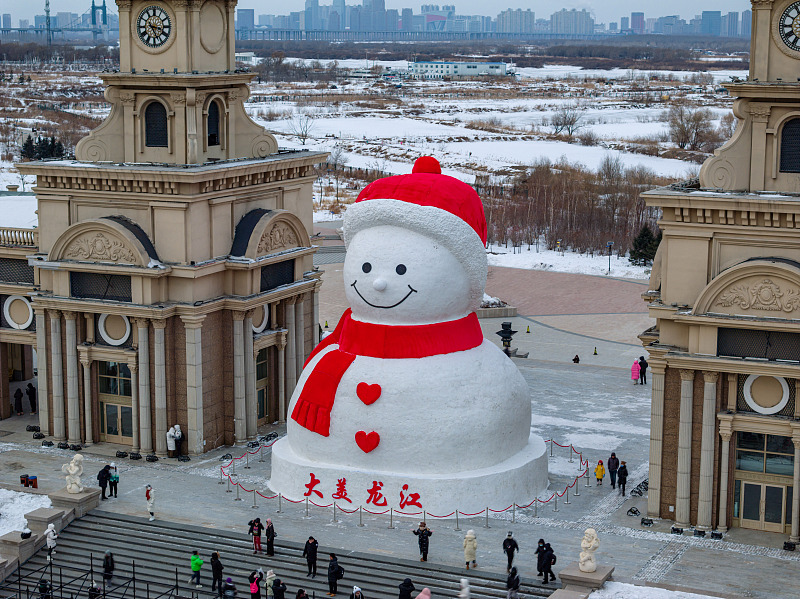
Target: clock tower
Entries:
(177, 98)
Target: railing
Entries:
(19, 237)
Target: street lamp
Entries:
(505, 335)
(609, 245)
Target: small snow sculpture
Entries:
(589, 545)
(74, 470)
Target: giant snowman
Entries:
(405, 405)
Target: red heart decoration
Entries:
(367, 441)
(369, 394)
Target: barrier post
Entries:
(306, 507)
(457, 528)
(360, 519)
(246, 459)
(237, 492)
(536, 508)
(233, 463)
(260, 452)
(487, 518)
(221, 482)
(587, 477)
(570, 453)
(391, 526)
(577, 489)
(555, 506)
(280, 502)
(424, 516)
(334, 511)
(254, 498)
(229, 486)
(513, 512)
(566, 501)
(551, 448)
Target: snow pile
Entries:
(569, 261)
(326, 216)
(14, 507)
(492, 302)
(621, 590)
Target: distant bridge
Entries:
(267, 34)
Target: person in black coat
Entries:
(643, 370)
(423, 532)
(255, 578)
(512, 584)
(102, 478)
(278, 589)
(30, 391)
(108, 567)
(613, 466)
(547, 563)
(406, 588)
(216, 573)
(333, 575)
(622, 478)
(270, 534)
(310, 553)
(229, 589)
(509, 547)
(540, 557)
(18, 401)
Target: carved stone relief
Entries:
(99, 247)
(280, 236)
(761, 295)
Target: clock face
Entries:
(789, 26)
(154, 26)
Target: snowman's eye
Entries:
(366, 267)
(401, 269)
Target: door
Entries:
(763, 506)
(116, 423)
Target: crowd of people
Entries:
(617, 472)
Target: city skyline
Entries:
(603, 12)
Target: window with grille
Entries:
(155, 125)
(768, 454)
(213, 124)
(275, 275)
(765, 345)
(14, 270)
(743, 406)
(100, 286)
(790, 147)
(114, 378)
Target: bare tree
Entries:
(338, 159)
(566, 119)
(302, 124)
(690, 128)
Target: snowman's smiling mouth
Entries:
(411, 290)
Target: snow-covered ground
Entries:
(18, 211)
(622, 590)
(569, 261)
(14, 506)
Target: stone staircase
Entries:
(159, 547)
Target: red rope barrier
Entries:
(435, 516)
(300, 501)
(475, 514)
(559, 444)
(377, 513)
(523, 507)
(500, 511)
(267, 496)
(346, 511)
(318, 505)
(405, 514)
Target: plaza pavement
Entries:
(592, 405)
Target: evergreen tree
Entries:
(43, 149)
(21, 78)
(58, 150)
(644, 247)
(28, 150)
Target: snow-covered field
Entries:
(569, 261)
(622, 590)
(14, 506)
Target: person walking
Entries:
(108, 566)
(150, 497)
(196, 563)
(357, 594)
(103, 477)
(635, 368)
(643, 370)
(512, 584)
(278, 589)
(113, 480)
(406, 588)
(548, 561)
(30, 391)
(424, 533)
(270, 534)
(229, 589)
(509, 547)
(622, 475)
(613, 466)
(216, 573)
(255, 530)
(50, 539)
(310, 553)
(599, 472)
(540, 549)
(171, 442)
(255, 578)
(18, 401)
(470, 548)
(335, 574)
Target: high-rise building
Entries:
(729, 25)
(637, 22)
(339, 7)
(671, 25)
(407, 20)
(312, 21)
(245, 18)
(625, 24)
(572, 22)
(24, 23)
(747, 23)
(711, 23)
(516, 21)
(265, 20)
(65, 19)
(6, 21)
(612, 27)
(39, 21)
(392, 19)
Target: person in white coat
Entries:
(171, 442)
(150, 497)
(50, 537)
(470, 548)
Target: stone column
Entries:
(239, 399)
(133, 366)
(282, 401)
(87, 400)
(682, 494)
(795, 537)
(43, 405)
(291, 345)
(145, 422)
(704, 505)
(656, 439)
(73, 399)
(722, 522)
(160, 364)
(250, 399)
(194, 382)
(300, 334)
(59, 417)
(316, 314)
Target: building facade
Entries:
(725, 293)
(441, 69)
(170, 279)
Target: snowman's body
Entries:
(451, 423)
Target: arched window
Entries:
(790, 147)
(213, 124)
(155, 126)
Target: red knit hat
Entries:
(436, 205)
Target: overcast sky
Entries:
(603, 10)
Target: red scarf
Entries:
(355, 338)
